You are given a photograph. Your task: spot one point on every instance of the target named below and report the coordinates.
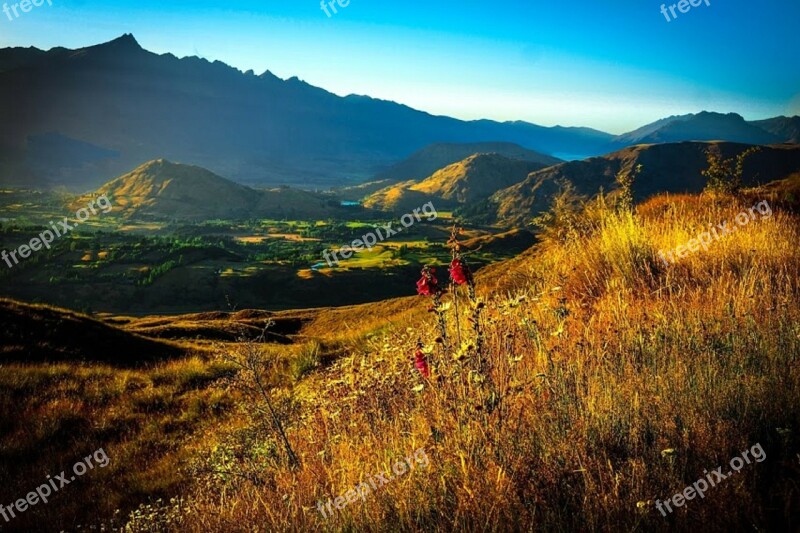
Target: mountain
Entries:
(787, 129)
(704, 126)
(81, 115)
(166, 191)
(674, 168)
(257, 129)
(475, 178)
(478, 176)
(428, 160)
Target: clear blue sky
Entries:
(609, 65)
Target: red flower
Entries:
(428, 285)
(422, 364)
(459, 272)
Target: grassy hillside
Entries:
(163, 190)
(472, 179)
(70, 385)
(608, 380)
(39, 333)
(618, 381)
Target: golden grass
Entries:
(604, 358)
(54, 415)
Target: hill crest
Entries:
(161, 189)
(661, 165)
(424, 162)
(470, 180)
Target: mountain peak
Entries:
(126, 40)
(123, 46)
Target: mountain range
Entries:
(704, 126)
(80, 116)
(252, 128)
(484, 187)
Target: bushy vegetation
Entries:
(725, 175)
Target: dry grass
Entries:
(603, 359)
(52, 416)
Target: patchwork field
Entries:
(144, 267)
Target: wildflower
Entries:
(459, 272)
(463, 352)
(428, 285)
(421, 362)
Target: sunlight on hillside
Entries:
(611, 381)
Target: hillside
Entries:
(164, 190)
(588, 381)
(599, 387)
(674, 168)
(37, 334)
(473, 179)
(428, 160)
(787, 129)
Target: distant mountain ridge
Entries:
(704, 126)
(254, 129)
(785, 128)
(114, 105)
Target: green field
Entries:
(161, 266)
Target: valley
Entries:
(143, 267)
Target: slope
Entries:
(704, 126)
(473, 179)
(428, 160)
(253, 129)
(38, 333)
(164, 190)
(674, 167)
(787, 129)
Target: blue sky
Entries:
(608, 65)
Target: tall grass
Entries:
(622, 380)
(52, 416)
